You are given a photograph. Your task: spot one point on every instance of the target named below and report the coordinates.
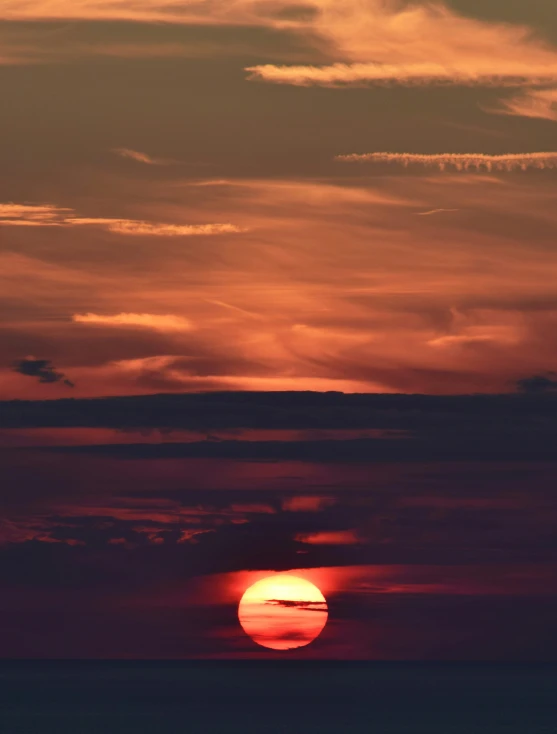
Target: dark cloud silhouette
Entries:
(521, 426)
(42, 369)
(479, 446)
(538, 383)
(280, 410)
(309, 606)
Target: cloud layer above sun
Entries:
(176, 223)
(438, 284)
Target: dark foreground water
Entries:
(380, 698)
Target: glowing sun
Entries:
(283, 612)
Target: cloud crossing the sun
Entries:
(459, 161)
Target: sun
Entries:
(283, 612)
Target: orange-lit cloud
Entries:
(350, 291)
(47, 215)
(460, 161)
(136, 155)
(383, 42)
(435, 211)
(377, 41)
(32, 215)
(134, 227)
(535, 103)
(419, 73)
(159, 322)
(148, 11)
(329, 537)
(41, 212)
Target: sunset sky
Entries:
(208, 206)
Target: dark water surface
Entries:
(383, 698)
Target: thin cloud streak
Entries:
(535, 103)
(181, 12)
(158, 322)
(139, 157)
(483, 73)
(459, 161)
(47, 215)
(31, 212)
(329, 537)
(436, 211)
(136, 227)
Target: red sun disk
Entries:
(283, 612)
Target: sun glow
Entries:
(283, 612)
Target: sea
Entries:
(270, 697)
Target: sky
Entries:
(277, 284)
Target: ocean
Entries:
(82, 697)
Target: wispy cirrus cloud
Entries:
(440, 303)
(158, 322)
(459, 161)
(386, 42)
(480, 73)
(536, 103)
(436, 211)
(32, 215)
(48, 215)
(138, 227)
(139, 157)
(184, 12)
(372, 42)
(41, 212)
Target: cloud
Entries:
(34, 215)
(307, 503)
(538, 383)
(41, 212)
(437, 304)
(484, 428)
(137, 227)
(48, 215)
(273, 410)
(158, 322)
(435, 211)
(333, 537)
(336, 75)
(41, 369)
(380, 42)
(372, 41)
(148, 11)
(459, 161)
(535, 103)
(311, 606)
(136, 155)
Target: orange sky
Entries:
(250, 195)
(231, 196)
